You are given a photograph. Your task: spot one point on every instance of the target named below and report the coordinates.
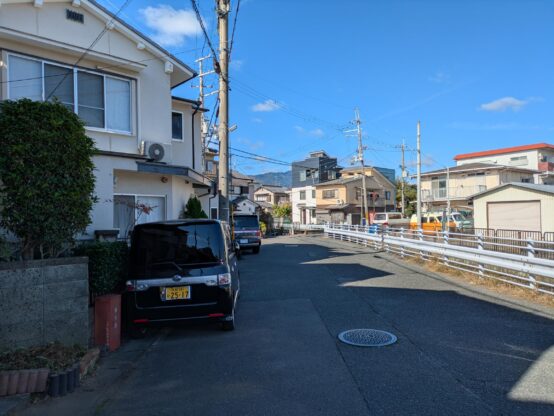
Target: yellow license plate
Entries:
(176, 293)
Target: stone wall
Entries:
(43, 301)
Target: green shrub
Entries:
(47, 175)
(263, 227)
(193, 209)
(107, 267)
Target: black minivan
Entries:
(181, 270)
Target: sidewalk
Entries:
(95, 391)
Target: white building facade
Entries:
(303, 202)
(149, 159)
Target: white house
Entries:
(120, 83)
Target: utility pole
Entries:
(201, 99)
(403, 175)
(223, 7)
(361, 159)
(448, 192)
(418, 175)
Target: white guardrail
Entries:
(524, 263)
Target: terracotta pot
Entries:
(12, 382)
(23, 382)
(42, 380)
(4, 376)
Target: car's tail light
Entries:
(385, 224)
(224, 279)
(216, 315)
(134, 286)
(140, 321)
(258, 233)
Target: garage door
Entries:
(525, 215)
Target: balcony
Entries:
(546, 166)
(440, 194)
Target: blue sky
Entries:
(477, 74)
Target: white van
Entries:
(391, 219)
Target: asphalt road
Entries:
(460, 351)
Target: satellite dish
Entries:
(156, 152)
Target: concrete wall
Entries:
(512, 193)
(44, 301)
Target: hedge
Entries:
(108, 266)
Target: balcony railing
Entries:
(441, 194)
(546, 166)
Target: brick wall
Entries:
(43, 301)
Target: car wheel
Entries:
(256, 250)
(230, 324)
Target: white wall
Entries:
(504, 159)
(46, 27)
(512, 194)
(309, 201)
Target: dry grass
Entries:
(530, 295)
(54, 356)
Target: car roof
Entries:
(176, 223)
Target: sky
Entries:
(477, 74)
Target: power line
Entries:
(107, 27)
(201, 23)
(234, 27)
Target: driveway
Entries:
(460, 350)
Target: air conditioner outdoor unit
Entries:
(158, 152)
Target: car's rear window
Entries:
(395, 216)
(164, 249)
(380, 217)
(247, 221)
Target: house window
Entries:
(177, 126)
(358, 194)
(101, 101)
(244, 189)
(302, 176)
(136, 209)
(329, 194)
(387, 195)
(313, 193)
(518, 161)
(91, 99)
(526, 180)
(302, 195)
(213, 213)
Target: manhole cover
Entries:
(367, 337)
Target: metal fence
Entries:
(517, 261)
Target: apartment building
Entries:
(538, 157)
(461, 182)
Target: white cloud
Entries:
(440, 78)
(236, 64)
(266, 106)
(257, 120)
(171, 26)
(314, 133)
(503, 104)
